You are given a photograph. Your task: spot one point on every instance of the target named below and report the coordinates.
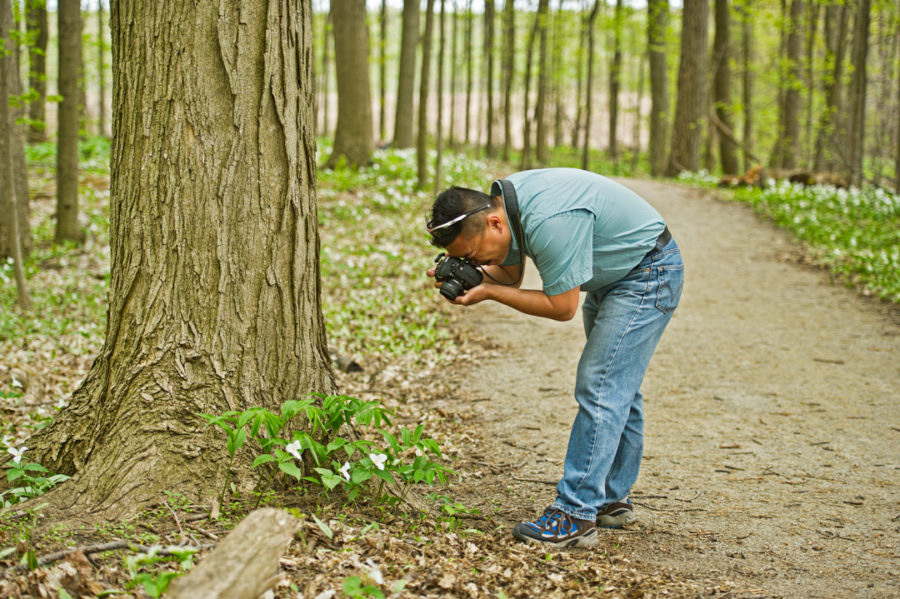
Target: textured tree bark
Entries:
(69, 19)
(245, 564)
(691, 103)
(406, 79)
(657, 17)
(353, 137)
(214, 292)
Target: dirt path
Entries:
(772, 453)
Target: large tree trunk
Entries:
(36, 26)
(406, 79)
(657, 18)
(69, 24)
(214, 291)
(787, 145)
(856, 128)
(691, 104)
(722, 85)
(353, 137)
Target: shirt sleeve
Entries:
(562, 247)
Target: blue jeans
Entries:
(623, 323)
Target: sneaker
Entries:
(557, 529)
(616, 515)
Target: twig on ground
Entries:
(177, 521)
(534, 480)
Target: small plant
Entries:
(156, 583)
(33, 480)
(332, 460)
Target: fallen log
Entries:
(245, 564)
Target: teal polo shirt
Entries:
(581, 229)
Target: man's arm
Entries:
(530, 301)
(502, 275)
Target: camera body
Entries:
(457, 275)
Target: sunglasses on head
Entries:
(430, 227)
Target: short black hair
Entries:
(452, 203)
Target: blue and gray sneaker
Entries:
(557, 529)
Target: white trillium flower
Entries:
(378, 459)
(17, 453)
(16, 382)
(294, 449)
(345, 470)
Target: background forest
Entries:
(793, 107)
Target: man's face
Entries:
(489, 247)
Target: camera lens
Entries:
(451, 289)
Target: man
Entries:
(587, 233)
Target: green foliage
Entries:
(141, 568)
(31, 479)
(332, 460)
(855, 233)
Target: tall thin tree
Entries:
(69, 27)
(424, 82)
(406, 77)
(508, 70)
(856, 128)
(589, 87)
(691, 101)
(353, 137)
(657, 23)
(38, 36)
(787, 143)
(542, 152)
(439, 134)
(615, 77)
(489, 148)
(722, 86)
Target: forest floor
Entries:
(772, 442)
(771, 466)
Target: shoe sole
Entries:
(588, 539)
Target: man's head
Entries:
(470, 224)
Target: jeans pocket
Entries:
(671, 280)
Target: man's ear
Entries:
(495, 221)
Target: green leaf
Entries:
(263, 459)
(236, 440)
(7, 551)
(323, 527)
(329, 478)
(291, 469)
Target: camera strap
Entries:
(507, 192)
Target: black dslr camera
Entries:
(458, 276)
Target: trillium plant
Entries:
(30, 478)
(333, 446)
